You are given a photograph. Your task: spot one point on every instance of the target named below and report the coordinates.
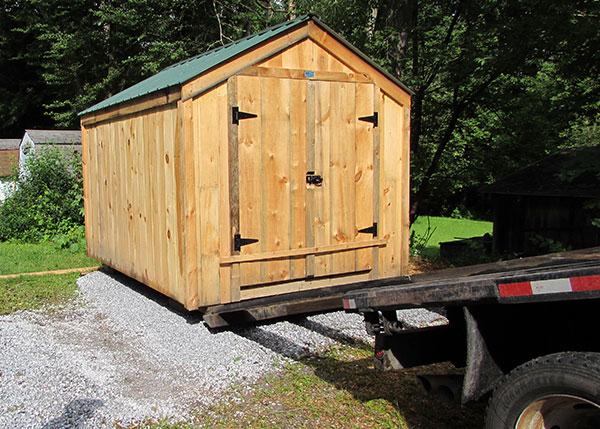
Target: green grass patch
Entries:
(339, 388)
(18, 258)
(442, 229)
(37, 292)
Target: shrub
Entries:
(48, 201)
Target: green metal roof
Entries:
(188, 69)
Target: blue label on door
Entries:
(309, 73)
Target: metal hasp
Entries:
(236, 115)
(370, 230)
(374, 119)
(313, 179)
(238, 242)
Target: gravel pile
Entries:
(124, 355)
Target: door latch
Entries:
(313, 179)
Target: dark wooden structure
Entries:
(549, 203)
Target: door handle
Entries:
(313, 179)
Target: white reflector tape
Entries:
(541, 287)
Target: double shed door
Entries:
(306, 199)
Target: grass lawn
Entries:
(18, 258)
(447, 229)
(338, 388)
(36, 292)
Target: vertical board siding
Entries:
(133, 191)
(251, 176)
(276, 202)
(306, 55)
(342, 173)
(391, 215)
(321, 223)
(297, 162)
(209, 109)
(189, 217)
(363, 174)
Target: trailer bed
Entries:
(553, 277)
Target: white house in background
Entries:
(67, 141)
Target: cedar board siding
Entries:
(169, 180)
(132, 224)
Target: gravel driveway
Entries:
(124, 355)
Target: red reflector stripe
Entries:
(585, 283)
(540, 287)
(515, 289)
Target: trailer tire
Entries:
(560, 390)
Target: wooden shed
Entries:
(275, 164)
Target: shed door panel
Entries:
(344, 157)
(303, 126)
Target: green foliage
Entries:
(547, 245)
(48, 201)
(419, 241)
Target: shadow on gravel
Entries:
(274, 342)
(191, 317)
(75, 414)
(332, 333)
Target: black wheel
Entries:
(558, 391)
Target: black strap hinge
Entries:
(370, 230)
(374, 119)
(238, 242)
(236, 115)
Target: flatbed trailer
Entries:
(524, 331)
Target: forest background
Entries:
(498, 84)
